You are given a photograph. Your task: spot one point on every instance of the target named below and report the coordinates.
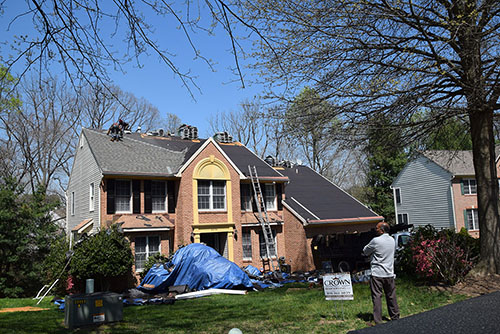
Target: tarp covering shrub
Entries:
(198, 266)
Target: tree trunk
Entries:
(483, 148)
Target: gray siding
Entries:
(425, 194)
(85, 171)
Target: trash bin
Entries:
(92, 308)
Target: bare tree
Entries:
(395, 58)
(42, 133)
(171, 123)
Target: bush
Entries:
(442, 256)
(54, 266)
(102, 256)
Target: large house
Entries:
(168, 191)
(438, 188)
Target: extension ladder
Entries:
(271, 249)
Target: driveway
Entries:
(472, 316)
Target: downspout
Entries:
(453, 204)
(68, 233)
(395, 204)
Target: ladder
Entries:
(271, 249)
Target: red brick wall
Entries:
(461, 203)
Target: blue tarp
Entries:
(198, 266)
(253, 270)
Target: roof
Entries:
(82, 226)
(142, 154)
(317, 200)
(456, 162)
(146, 222)
(133, 156)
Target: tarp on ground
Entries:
(198, 266)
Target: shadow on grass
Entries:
(365, 316)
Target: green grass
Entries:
(292, 309)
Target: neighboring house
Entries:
(438, 188)
(167, 191)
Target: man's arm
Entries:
(369, 249)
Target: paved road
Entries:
(480, 315)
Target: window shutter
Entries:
(244, 190)
(462, 186)
(466, 222)
(148, 202)
(279, 194)
(110, 196)
(136, 196)
(172, 201)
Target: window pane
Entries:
(270, 196)
(158, 195)
(247, 244)
(473, 187)
(398, 195)
(140, 245)
(219, 202)
(122, 197)
(262, 244)
(140, 260)
(154, 245)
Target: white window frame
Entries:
(475, 220)
(468, 188)
(403, 215)
(91, 197)
(397, 195)
(130, 197)
(246, 241)
(211, 196)
(147, 252)
(72, 203)
(164, 199)
(272, 187)
(262, 245)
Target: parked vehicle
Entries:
(341, 252)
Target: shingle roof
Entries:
(141, 154)
(132, 156)
(243, 157)
(315, 198)
(455, 162)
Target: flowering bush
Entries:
(443, 256)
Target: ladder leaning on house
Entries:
(271, 250)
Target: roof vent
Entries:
(270, 161)
(223, 137)
(188, 132)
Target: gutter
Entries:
(340, 221)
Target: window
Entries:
(91, 197)
(402, 218)
(262, 244)
(471, 219)
(397, 194)
(144, 248)
(72, 203)
(158, 195)
(123, 196)
(211, 195)
(469, 186)
(246, 197)
(246, 240)
(270, 196)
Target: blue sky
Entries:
(220, 91)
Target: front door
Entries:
(215, 240)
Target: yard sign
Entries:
(338, 286)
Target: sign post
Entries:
(338, 286)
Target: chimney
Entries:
(187, 132)
(223, 137)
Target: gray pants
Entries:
(378, 285)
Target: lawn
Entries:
(295, 308)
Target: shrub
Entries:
(54, 266)
(443, 256)
(102, 256)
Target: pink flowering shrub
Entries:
(443, 256)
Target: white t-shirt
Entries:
(381, 251)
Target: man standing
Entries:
(381, 251)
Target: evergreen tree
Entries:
(386, 158)
(26, 234)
